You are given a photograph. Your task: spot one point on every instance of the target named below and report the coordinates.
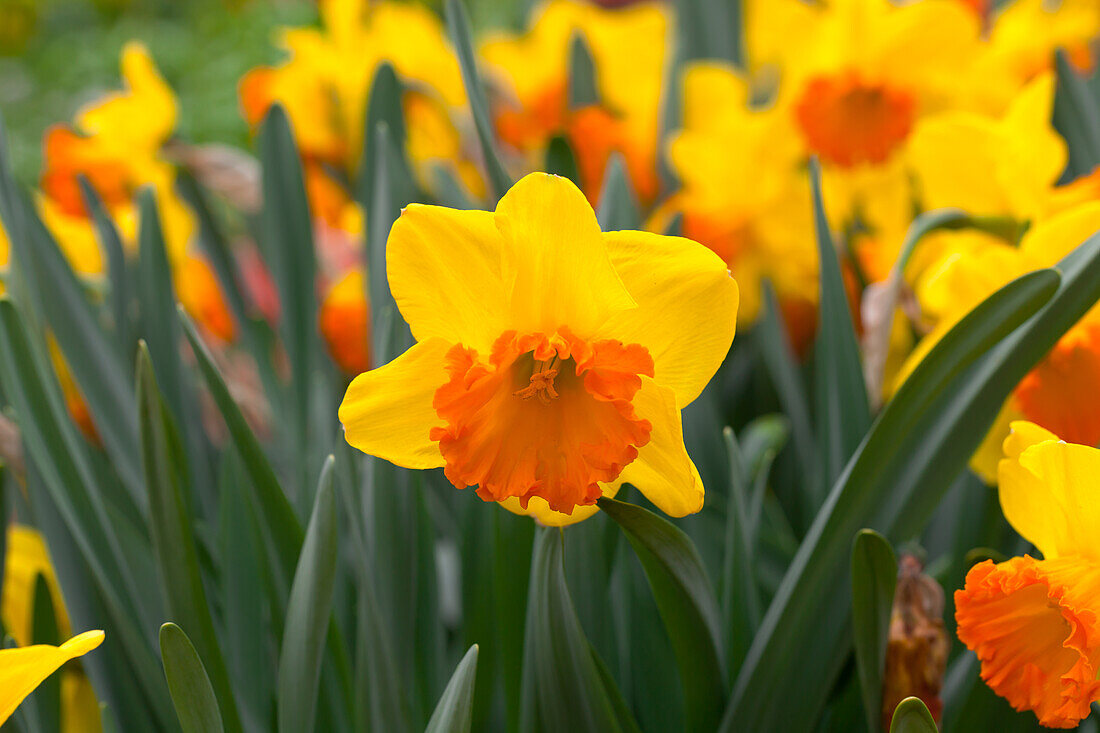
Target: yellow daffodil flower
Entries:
(744, 191)
(344, 322)
(552, 359)
(629, 48)
(855, 91)
(325, 82)
(1020, 45)
(25, 668)
(25, 560)
(1035, 624)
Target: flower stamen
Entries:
(542, 381)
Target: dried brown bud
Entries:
(916, 652)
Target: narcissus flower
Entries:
(115, 142)
(552, 359)
(745, 193)
(344, 322)
(23, 669)
(26, 560)
(325, 83)
(855, 92)
(1035, 624)
(629, 48)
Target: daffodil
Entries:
(629, 48)
(745, 193)
(552, 359)
(26, 560)
(23, 669)
(344, 322)
(1020, 45)
(857, 79)
(325, 82)
(1035, 624)
(115, 142)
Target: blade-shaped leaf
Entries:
(560, 159)
(843, 414)
(1077, 117)
(171, 529)
(618, 207)
(570, 694)
(919, 443)
(741, 605)
(383, 107)
(456, 705)
(193, 696)
(874, 576)
(288, 244)
(912, 716)
(583, 90)
(687, 605)
(458, 26)
(307, 616)
(111, 242)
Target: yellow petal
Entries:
(1021, 436)
(687, 307)
(663, 472)
(556, 262)
(443, 267)
(387, 412)
(1048, 494)
(25, 668)
(25, 559)
(1052, 239)
(989, 454)
(539, 510)
(141, 117)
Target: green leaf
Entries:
(383, 107)
(95, 365)
(874, 576)
(779, 359)
(843, 414)
(307, 616)
(47, 696)
(171, 529)
(193, 697)
(710, 29)
(741, 604)
(686, 601)
(158, 302)
(111, 242)
(284, 533)
(618, 207)
(61, 460)
(920, 442)
(458, 26)
(567, 684)
(455, 710)
(512, 549)
(288, 244)
(560, 159)
(912, 716)
(583, 90)
(1077, 117)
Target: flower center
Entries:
(848, 121)
(545, 415)
(542, 381)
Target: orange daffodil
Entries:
(116, 142)
(552, 359)
(1035, 624)
(630, 51)
(855, 92)
(26, 559)
(325, 82)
